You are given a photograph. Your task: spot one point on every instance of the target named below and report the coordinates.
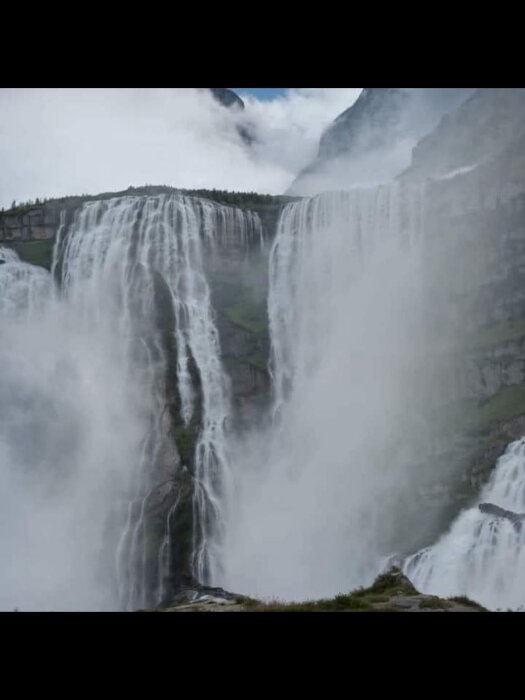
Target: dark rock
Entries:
(227, 97)
(192, 591)
(515, 518)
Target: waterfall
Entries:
(324, 491)
(23, 287)
(482, 556)
(321, 245)
(130, 402)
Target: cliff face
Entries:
(372, 139)
(472, 171)
(37, 224)
(30, 223)
(487, 125)
(238, 283)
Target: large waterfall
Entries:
(122, 476)
(114, 407)
(332, 489)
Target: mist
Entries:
(332, 490)
(66, 444)
(58, 142)
(373, 144)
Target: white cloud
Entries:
(288, 128)
(55, 142)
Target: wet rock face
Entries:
(239, 289)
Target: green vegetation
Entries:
(508, 403)
(24, 207)
(244, 200)
(499, 333)
(463, 600)
(34, 252)
(379, 597)
(370, 599)
(434, 603)
(249, 316)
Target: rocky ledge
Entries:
(390, 592)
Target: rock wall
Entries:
(36, 224)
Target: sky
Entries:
(262, 93)
(70, 141)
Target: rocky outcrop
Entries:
(516, 519)
(36, 224)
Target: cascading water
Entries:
(23, 287)
(119, 478)
(322, 245)
(329, 491)
(483, 555)
(128, 366)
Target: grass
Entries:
(376, 598)
(435, 603)
(362, 600)
(463, 600)
(34, 252)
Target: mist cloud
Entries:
(55, 142)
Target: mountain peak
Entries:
(227, 97)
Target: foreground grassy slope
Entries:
(390, 592)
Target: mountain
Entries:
(372, 140)
(227, 97)
(489, 125)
